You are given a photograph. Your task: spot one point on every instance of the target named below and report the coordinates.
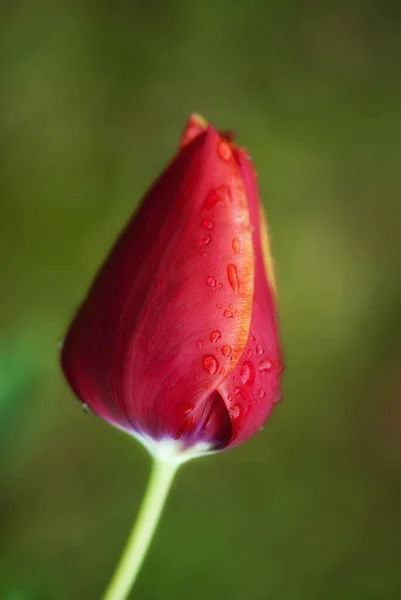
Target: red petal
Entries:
(195, 126)
(252, 389)
(150, 344)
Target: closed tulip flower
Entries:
(176, 342)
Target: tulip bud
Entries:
(177, 340)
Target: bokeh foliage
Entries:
(94, 95)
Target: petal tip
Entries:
(196, 125)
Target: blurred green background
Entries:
(94, 97)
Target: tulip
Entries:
(177, 341)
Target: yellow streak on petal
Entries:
(242, 231)
(266, 250)
(199, 120)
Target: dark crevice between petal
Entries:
(214, 426)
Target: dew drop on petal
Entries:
(237, 390)
(210, 364)
(266, 365)
(235, 411)
(236, 245)
(222, 371)
(199, 343)
(211, 282)
(224, 150)
(207, 224)
(205, 240)
(261, 393)
(259, 350)
(247, 373)
(230, 397)
(249, 353)
(220, 286)
(219, 305)
(226, 351)
(203, 254)
(232, 274)
(214, 336)
(218, 197)
(228, 314)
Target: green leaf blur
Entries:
(94, 97)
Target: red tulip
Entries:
(177, 338)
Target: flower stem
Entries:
(161, 479)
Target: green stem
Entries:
(161, 479)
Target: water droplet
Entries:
(199, 343)
(216, 271)
(222, 371)
(235, 411)
(230, 397)
(226, 351)
(249, 353)
(60, 343)
(209, 294)
(210, 364)
(219, 305)
(261, 393)
(211, 282)
(228, 314)
(218, 196)
(230, 306)
(205, 240)
(236, 245)
(259, 350)
(220, 286)
(203, 254)
(253, 337)
(237, 390)
(224, 150)
(232, 274)
(247, 373)
(214, 336)
(86, 408)
(266, 365)
(207, 224)
(234, 378)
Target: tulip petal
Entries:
(169, 314)
(252, 389)
(194, 127)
